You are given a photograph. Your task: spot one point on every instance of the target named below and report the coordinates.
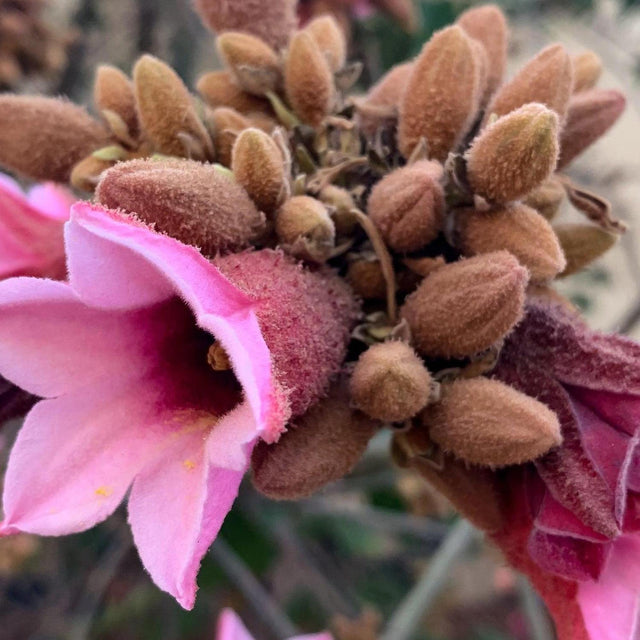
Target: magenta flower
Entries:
(121, 355)
(230, 627)
(31, 241)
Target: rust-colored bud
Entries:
(258, 166)
(367, 279)
(488, 25)
(227, 125)
(219, 89)
(273, 21)
(547, 198)
(254, 63)
(390, 382)
(591, 114)
(514, 155)
(587, 68)
(407, 206)
(326, 31)
(43, 138)
(193, 202)
(547, 79)
(320, 447)
(467, 306)
(308, 80)
(304, 228)
(113, 91)
(488, 423)
(166, 111)
(582, 244)
(442, 94)
(520, 230)
(341, 203)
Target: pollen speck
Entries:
(189, 465)
(104, 492)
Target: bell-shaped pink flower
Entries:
(230, 627)
(31, 229)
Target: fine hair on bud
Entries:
(390, 382)
(321, 446)
(113, 91)
(442, 94)
(227, 124)
(330, 38)
(193, 202)
(367, 279)
(514, 155)
(466, 307)
(258, 166)
(43, 138)
(407, 206)
(582, 244)
(486, 422)
(517, 228)
(547, 198)
(308, 80)
(587, 69)
(220, 89)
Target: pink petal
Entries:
(230, 627)
(52, 200)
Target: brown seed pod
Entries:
(219, 89)
(390, 382)
(320, 447)
(258, 166)
(520, 230)
(44, 138)
(591, 114)
(329, 36)
(166, 111)
(193, 202)
(582, 244)
(442, 94)
(488, 423)
(547, 79)
(308, 80)
(547, 198)
(113, 91)
(255, 65)
(407, 206)
(587, 68)
(488, 25)
(367, 279)
(514, 155)
(227, 125)
(467, 306)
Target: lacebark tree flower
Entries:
(230, 627)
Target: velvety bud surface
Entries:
(330, 38)
(113, 91)
(547, 198)
(227, 125)
(587, 69)
(220, 89)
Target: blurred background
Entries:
(377, 556)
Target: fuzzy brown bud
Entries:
(441, 96)
(193, 202)
(227, 125)
(407, 206)
(520, 230)
(591, 114)
(547, 198)
(308, 80)
(86, 174)
(113, 91)
(258, 166)
(43, 138)
(547, 79)
(587, 68)
(304, 228)
(367, 279)
(254, 63)
(488, 25)
(219, 89)
(166, 111)
(326, 31)
(467, 306)
(390, 382)
(582, 244)
(515, 154)
(341, 203)
(488, 423)
(320, 447)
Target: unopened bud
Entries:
(587, 68)
(227, 125)
(166, 110)
(113, 91)
(192, 202)
(367, 279)
(514, 155)
(390, 382)
(342, 203)
(258, 166)
(320, 447)
(304, 228)
(308, 80)
(582, 244)
(591, 114)
(488, 423)
(547, 198)
(407, 206)
(547, 80)
(518, 229)
(219, 89)
(326, 31)
(442, 95)
(467, 306)
(86, 174)
(254, 63)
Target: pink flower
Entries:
(230, 627)
(31, 241)
(120, 354)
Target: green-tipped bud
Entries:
(582, 244)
